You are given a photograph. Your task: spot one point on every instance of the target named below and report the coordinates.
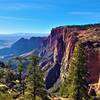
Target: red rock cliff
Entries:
(58, 49)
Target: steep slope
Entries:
(22, 46)
(57, 51)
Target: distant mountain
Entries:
(7, 40)
(22, 46)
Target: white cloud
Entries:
(14, 18)
(89, 15)
(23, 6)
(14, 6)
(85, 13)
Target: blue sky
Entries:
(40, 16)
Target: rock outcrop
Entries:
(57, 51)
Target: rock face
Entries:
(57, 51)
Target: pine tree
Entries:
(77, 74)
(36, 79)
(76, 82)
(20, 69)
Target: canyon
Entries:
(56, 51)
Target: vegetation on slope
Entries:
(21, 84)
(75, 85)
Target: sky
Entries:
(40, 16)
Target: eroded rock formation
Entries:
(57, 51)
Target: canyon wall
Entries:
(57, 50)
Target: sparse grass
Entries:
(5, 96)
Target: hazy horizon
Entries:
(19, 33)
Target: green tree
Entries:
(36, 79)
(76, 82)
(20, 68)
